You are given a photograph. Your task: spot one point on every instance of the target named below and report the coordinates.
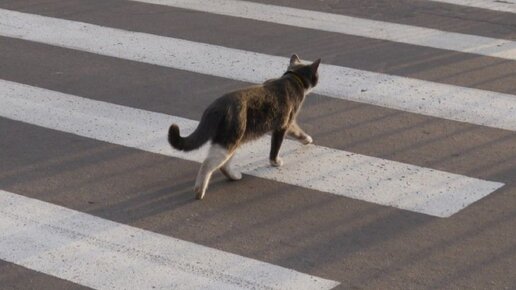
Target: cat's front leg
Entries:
(277, 139)
(295, 131)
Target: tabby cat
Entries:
(247, 114)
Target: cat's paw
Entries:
(276, 163)
(307, 140)
(199, 193)
(235, 176)
(231, 174)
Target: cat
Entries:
(247, 114)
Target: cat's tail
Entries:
(205, 131)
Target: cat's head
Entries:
(307, 71)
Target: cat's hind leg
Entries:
(229, 172)
(217, 156)
(295, 131)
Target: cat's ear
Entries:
(294, 59)
(315, 65)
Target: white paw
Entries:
(199, 193)
(276, 163)
(230, 174)
(236, 175)
(308, 140)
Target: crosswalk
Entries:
(504, 6)
(94, 252)
(351, 25)
(334, 171)
(445, 101)
(86, 249)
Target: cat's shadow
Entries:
(155, 201)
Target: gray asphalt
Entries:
(360, 244)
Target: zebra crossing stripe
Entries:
(496, 5)
(102, 254)
(433, 99)
(324, 21)
(371, 179)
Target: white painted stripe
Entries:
(102, 254)
(439, 100)
(496, 5)
(339, 172)
(351, 25)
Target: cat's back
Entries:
(250, 97)
(248, 93)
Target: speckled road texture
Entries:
(410, 183)
(445, 101)
(324, 169)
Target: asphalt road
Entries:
(355, 242)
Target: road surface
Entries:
(410, 182)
